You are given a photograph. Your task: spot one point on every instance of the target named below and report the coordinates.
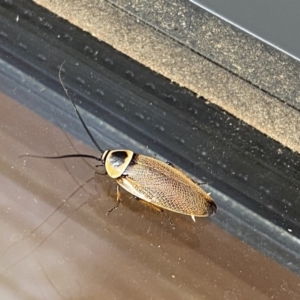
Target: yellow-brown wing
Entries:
(166, 187)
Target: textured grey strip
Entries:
(220, 42)
(273, 22)
(202, 36)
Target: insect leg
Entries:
(150, 205)
(118, 201)
(170, 220)
(102, 174)
(100, 165)
(160, 210)
(170, 164)
(198, 183)
(202, 183)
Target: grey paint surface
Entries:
(275, 22)
(213, 59)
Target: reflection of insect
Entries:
(157, 183)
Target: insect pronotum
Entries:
(158, 183)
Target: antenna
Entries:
(62, 156)
(76, 109)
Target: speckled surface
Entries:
(241, 75)
(215, 39)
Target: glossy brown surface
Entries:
(58, 243)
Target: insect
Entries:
(157, 183)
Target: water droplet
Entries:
(42, 57)
(150, 85)
(28, 13)
(15, 237)
(3, 34)
(288, 203)
(100, 92)
(68, 37)
(88, 49)
(21, 45)
(180, 140)
(130, 73)
(171, 97)
(160, 127)
(47, 25)
(193, 110)
(109, 61)
(141, 116)
(119, 103)
(80, 80)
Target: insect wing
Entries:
(166, 187)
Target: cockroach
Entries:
(158, 183)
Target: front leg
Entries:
(118, 201)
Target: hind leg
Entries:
(158, 209)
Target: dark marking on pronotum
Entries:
(118, 158)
